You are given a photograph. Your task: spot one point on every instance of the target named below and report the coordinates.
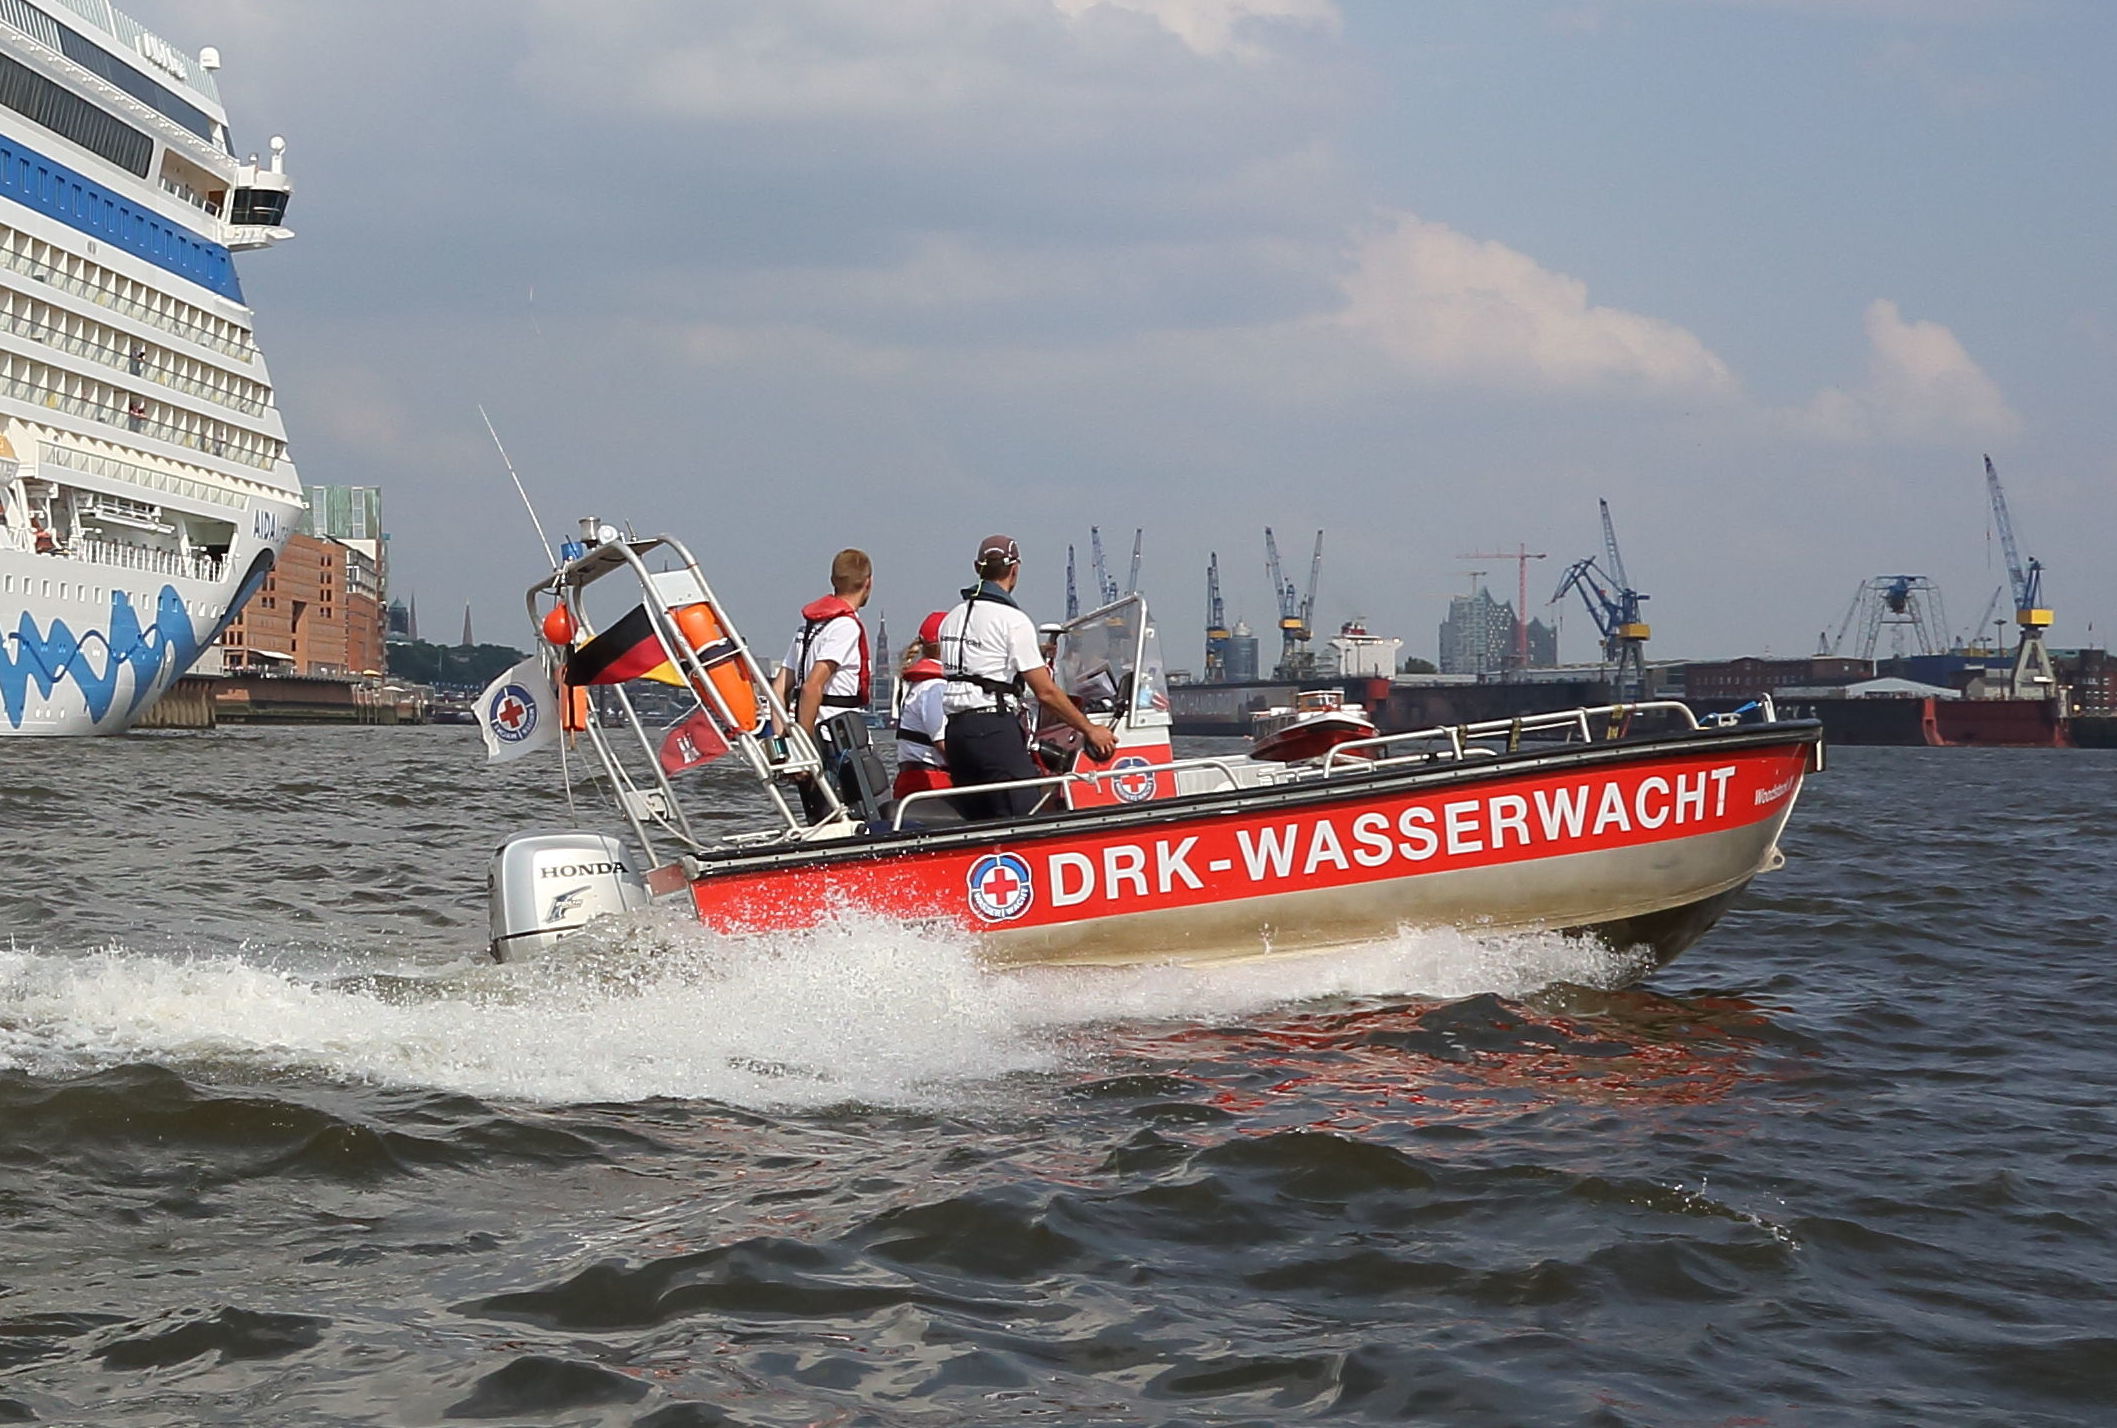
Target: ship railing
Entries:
(191, 196)
(1467, 740)
(131, 363)
(66, 458)
(135, 420)
(147, 559)
(96, 293)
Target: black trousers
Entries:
(986, 747)
(813, 803)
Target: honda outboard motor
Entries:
(543, 886)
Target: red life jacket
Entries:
(815, 615)
(922, 670)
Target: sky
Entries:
(1771, 276)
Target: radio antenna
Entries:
(549, 551)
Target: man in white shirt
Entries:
(989, 652)
(827, 664)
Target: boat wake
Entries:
(856, 1011)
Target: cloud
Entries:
(1930, 12)
(1449, 306)
(1217, 27)
(833, 61)
(1921, 65)
(1921, 387)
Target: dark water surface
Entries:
(274, 1148)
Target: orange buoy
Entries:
(558, 626)
(701, 626)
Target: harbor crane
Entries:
(1073, 594)
(1105, 587)
(1974, 641)
(1132, 575)
(1900, 604)
(2033, 676)
(1296, 611)
(1217, 633)
(1614, 607)
(1521, 556)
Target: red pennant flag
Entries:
(693, 742)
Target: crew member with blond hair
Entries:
(827, 664)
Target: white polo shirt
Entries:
(923, 714)
(839, 639)
(990, 639)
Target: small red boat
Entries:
(1633, 823)
(1318, 722)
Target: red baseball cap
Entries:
(930, 627)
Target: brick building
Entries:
(319, 612)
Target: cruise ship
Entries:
(145, 487)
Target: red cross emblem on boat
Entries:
(1000, 887)
(514, 714)
(1136, 781)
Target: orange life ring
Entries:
(724, 667)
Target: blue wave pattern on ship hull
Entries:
(51, 188)
(57, 655)
(46, 659)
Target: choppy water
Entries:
(275, 1149)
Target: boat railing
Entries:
(1461, 742)
(1224, 767)
(655, 804)
(1461, 739)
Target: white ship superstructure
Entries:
(145, 487)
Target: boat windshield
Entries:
(1109, 660)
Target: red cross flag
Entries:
(518, 713)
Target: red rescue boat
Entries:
(1318, 722)
(1634, 823)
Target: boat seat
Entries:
(862, 781)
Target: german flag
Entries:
(629, 649)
